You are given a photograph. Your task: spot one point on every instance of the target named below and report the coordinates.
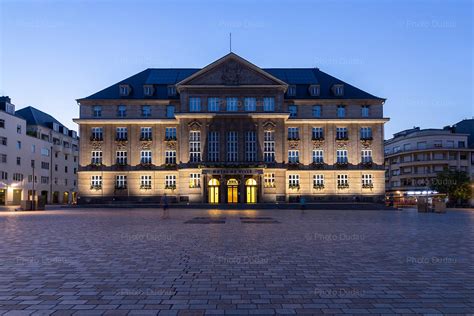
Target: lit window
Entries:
(341, 111)
(195, 146)
(293, 156)
(269, 180)
(291, 92)
(213, 104)
(318, 181)
(269, 146)
(170, 157)
(250, 146)
(269, 104)
(250, 104)
(294, 181)
(232, 104)
(170, 181)
(194, 104)
(120, 182)
(195, 180)
(232, 146)
(170, 133)
(318, 156)
(293, 109)
(367, 181)
(96, 182)
(342, 181)
(145, 182)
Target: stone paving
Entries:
(132, 262)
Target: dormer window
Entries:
(314, 90)
(171, 91)
(291, 92)
(56, 127)
(124, 89)
(338, 90)
(148, 90)
(65, 131)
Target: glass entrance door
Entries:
(251, 191)
(213, 191)
(232, 191)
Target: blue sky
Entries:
(417, 54)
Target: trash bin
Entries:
(439, 206)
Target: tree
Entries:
(456, 184)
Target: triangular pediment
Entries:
(231, 70)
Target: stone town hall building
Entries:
(231, 132)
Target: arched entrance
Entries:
(251, 191)
(213, 191)
(232, 191)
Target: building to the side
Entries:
(231, 132)
(414, 157)
(38, 157)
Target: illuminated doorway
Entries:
(251, 191)
(232, 191)
(65, 197)
(213, 188)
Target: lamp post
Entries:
(33, 190)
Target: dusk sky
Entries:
(417, 54)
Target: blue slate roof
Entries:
(301, 77)
(33, 116)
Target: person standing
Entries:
(164, 202)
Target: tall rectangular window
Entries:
(121, 133)
(367, 181)
(145, 133)
(317, 133)
(250, 104)
(213, 146)
(341, 111)
(293, 133)
(146, 111)
(97, 134)
(317, 111)
(170, 111)
(213, 104)
(366, 156)
(145, 182)
(170, 181)
(96, 182)
(96, 157)
(145, 157)
(269, 146)
(294, 181)
(365, 110)
(195, 180)
(293, 156)
(318, 156)
(121, 156)
(232, 104)
(341, 133)
(250, 146)
(97, 111)
(318, 180)
(365, 133)
(195, 146)
(232, 146)
(122, 111)
(194, 104)
(120, 182)
(170, 157)
(341, 156)
(170, 133)
(293, 109)
(269, 104)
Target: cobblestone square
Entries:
(132, 262)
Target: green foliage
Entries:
(455, 184)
